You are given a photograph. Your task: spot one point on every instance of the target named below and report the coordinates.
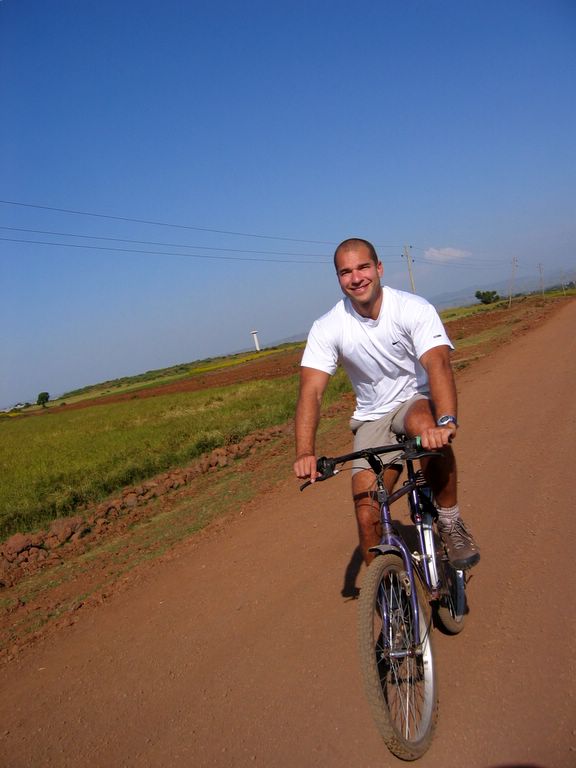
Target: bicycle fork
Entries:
(426, 557)
(392, 543)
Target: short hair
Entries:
(353, 242)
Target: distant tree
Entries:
(487, 297)
(43, 398)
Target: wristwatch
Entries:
(443, 421)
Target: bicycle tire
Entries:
(453, 606)
(401, 692)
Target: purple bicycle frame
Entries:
(391, 540)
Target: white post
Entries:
(256, 344)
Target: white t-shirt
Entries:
(380, 356)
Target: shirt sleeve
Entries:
(428, 330)
(321, 351)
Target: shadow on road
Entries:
(517, 765)
(349, 589)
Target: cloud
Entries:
(446, 255)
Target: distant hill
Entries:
(465, 296)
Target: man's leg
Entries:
(441, 474)
(367, 507)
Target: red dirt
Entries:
(267, 367)
(239, 649)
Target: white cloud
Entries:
(446, 255)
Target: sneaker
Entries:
(462, 550)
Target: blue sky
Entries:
(268, 132)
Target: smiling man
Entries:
(396, 353)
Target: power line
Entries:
(173, 225)
(466, 263)
(157, 253)
(312, 258)
(155, 242)
(157, 223)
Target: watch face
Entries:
(446, 420)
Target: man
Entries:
(396, 353)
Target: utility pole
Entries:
(541, 269)
(407, 255)
(514, 265)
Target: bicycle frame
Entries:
(391, 541)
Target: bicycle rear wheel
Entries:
(399, 675)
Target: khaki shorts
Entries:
(383, 431)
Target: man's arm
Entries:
(312, 385)
(436, 363)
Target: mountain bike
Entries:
(401, 592)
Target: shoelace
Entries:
(460, 536)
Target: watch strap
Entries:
(443, 421)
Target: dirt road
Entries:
(240, 650)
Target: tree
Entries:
(487, 297)
(43, 398)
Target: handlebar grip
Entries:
(326, 468)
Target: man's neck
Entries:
(370, 311)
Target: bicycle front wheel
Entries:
(398, 671)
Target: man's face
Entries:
(359, 278)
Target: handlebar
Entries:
(411, 447)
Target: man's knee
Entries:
(419, 417)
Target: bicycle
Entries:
(394, 616)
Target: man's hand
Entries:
(305, 467)
(438, 437)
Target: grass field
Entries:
(53, 463)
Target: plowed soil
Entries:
(238, 646)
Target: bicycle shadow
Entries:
(350, 589)
(518, 765)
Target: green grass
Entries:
(458, 313)
(51, 464)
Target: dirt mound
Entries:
(25, 554)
